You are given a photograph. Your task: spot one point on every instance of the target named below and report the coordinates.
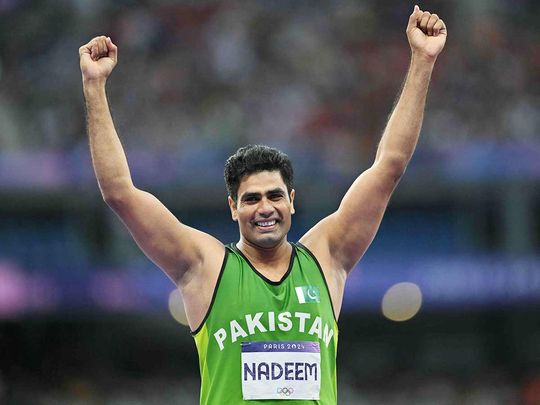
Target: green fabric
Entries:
(242, 291)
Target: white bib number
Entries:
(281, 370)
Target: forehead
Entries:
(261, 181)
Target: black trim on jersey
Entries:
(291, 261)
(322, 274)
(193, 333)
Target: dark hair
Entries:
(253, 159)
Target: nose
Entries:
(265, 208)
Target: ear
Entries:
(232, 206)
(292, 200)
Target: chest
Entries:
(249, 307)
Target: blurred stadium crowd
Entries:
(196, 80)
(411, 389)
(315, 78)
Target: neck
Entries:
(257, 254)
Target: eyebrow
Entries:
(247, 195)
(276, 191)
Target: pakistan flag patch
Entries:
(308, 293)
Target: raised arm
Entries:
(176, 248)
(341, 239)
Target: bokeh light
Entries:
(402, 301)
(176, 307)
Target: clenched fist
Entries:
(98, 59)
(426, 33)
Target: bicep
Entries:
(347, 233)
(173, 246)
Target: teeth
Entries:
(267, 223)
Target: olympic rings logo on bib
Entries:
(285, 390)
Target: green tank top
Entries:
(264, 341)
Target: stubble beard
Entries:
(266, 241)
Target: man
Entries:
(263, 311)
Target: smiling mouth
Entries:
(266, 224)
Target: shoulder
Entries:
(199, 285)
(304, 253)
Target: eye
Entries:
(276, 197)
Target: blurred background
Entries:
(443, 309)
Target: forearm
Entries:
(108, 157)
(403, 128)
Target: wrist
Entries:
(423, 59)
(93, 85)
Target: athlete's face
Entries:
(263, 209)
